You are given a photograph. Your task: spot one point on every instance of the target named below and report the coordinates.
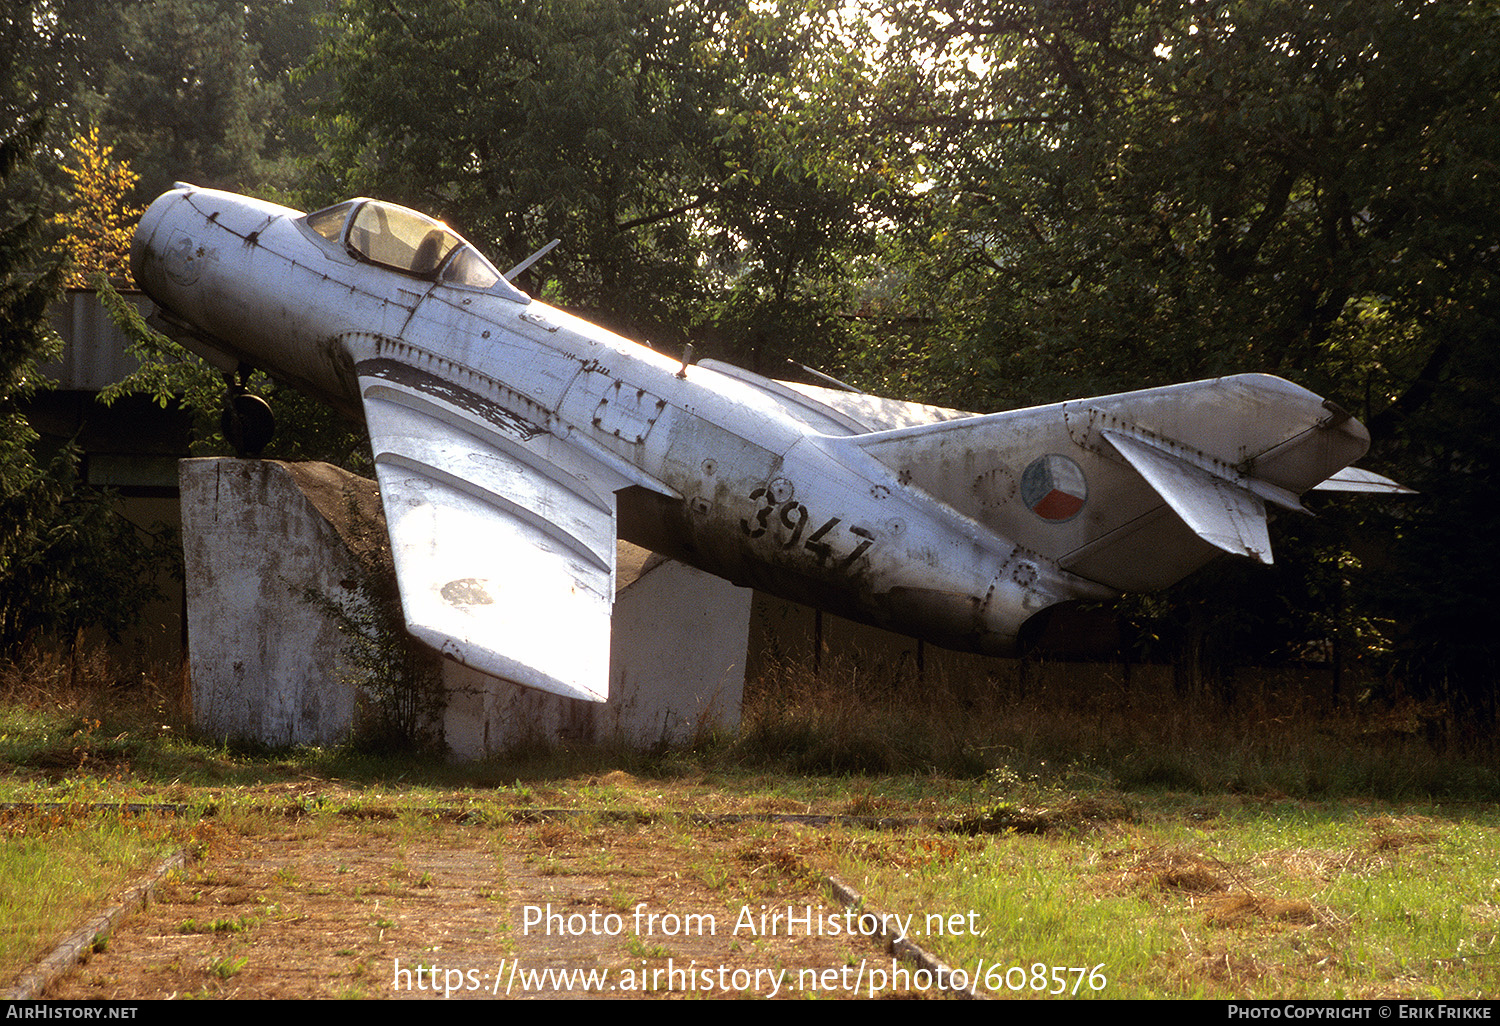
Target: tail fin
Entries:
(1135, 490)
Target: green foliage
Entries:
(522, 121)
(642, 133)
(198, 90)
(398, 678)
(285, 33)
(1134, 193)
(182, 94)
(28, 286)
(68, 560)
(171, 375)
(1128, 194)
(167, 373)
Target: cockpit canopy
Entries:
(404, 240)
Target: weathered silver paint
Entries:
(548, 436)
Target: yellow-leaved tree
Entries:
(100, 223)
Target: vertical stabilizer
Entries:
(1136, 490)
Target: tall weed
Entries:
(1282, 736)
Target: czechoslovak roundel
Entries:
(1054, 488)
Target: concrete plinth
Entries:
(262, 652)
(268, 551)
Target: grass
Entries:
(1283, 735)
(1285, 846)
(227, 967)
(1281, 899)
(58, 866)
(238, 924)
(807, 734)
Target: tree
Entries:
(67, 560)
(28, 284)
(1124, 194)
(27, 288)
(100, 225)
(49, 51)
(285, 34)
(1188, 188)
(177, 84)
(522, 121)
(640, 132)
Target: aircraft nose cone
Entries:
(141, 244)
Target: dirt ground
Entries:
(405, 908)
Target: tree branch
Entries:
(646, 219)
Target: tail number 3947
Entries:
(794, 518)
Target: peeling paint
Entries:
(490, 412)
(466, 592)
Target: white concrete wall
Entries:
(263, 658)
(677, 658)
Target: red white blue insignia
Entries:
(1054, 488)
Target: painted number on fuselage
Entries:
(795, 517)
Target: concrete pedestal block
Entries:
(262, 539)
(264, 655)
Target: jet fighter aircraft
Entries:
(514, 443)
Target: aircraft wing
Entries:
(503, 534)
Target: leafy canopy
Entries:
(648, 135)
(1129, 193)
(100, 224)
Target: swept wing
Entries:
(503, 534)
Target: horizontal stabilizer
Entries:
(1219, 511)
(1353, 479)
